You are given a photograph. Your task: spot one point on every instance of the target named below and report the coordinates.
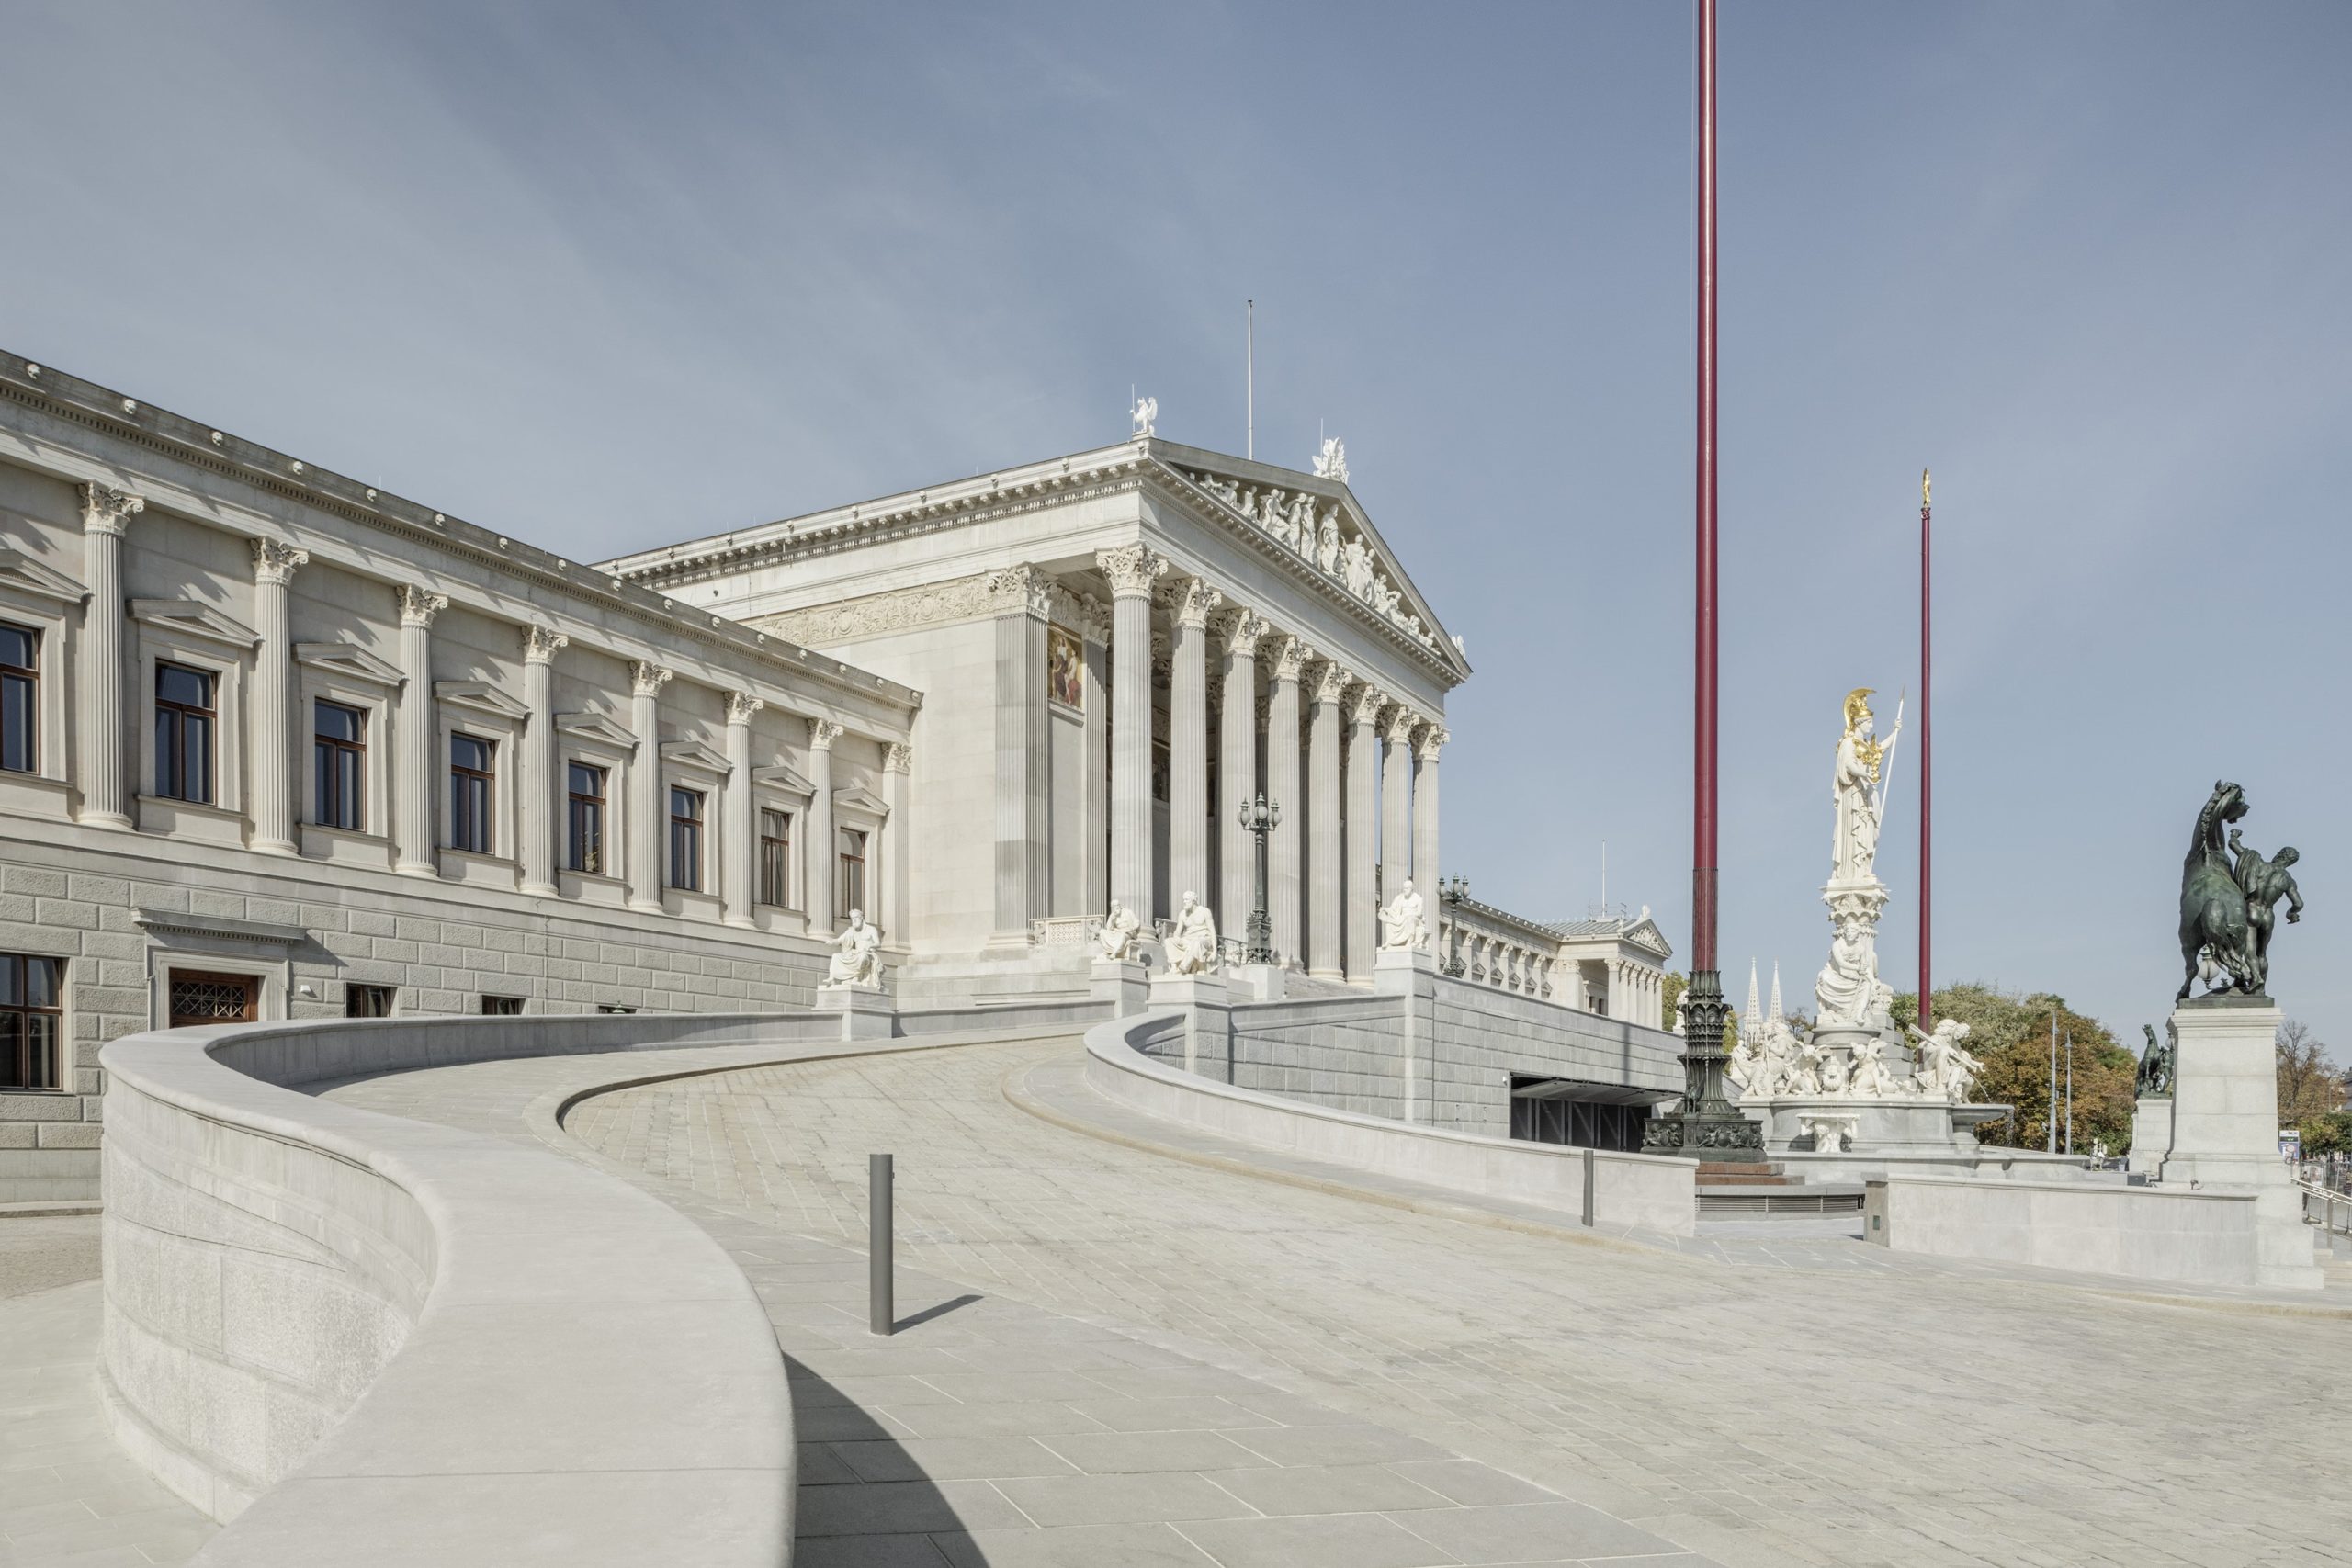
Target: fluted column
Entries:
(1363, 895)
(1188, 743)
(537, 786)
(273, 704)
(1325, 923)
(1132, 570)
(1427, 743)
(1096, 792)
(1282, 856)
(106, 774)
(1023, 870)
(646, 837)
(898, 842)
(412, 791)
(742, 848)
(1396, 801)
(1238, 630)
(821, 860)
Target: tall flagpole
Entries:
(1706, 1125)
(1927, 754)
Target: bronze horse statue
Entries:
(2213, 905)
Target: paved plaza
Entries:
(1760, 1403)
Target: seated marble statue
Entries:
(1191, 944)
(1871, 1077)
(1118, 934)
(1946, 1070)
(1743, 1066)
(1403, 923)
(857, 955)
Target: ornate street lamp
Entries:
(1258, 817)
(1450, 891)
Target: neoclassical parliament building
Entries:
(277, 744)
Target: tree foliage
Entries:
(2011, 1035)
(2309, 1085)
(2328, 1135)
(1670, 997)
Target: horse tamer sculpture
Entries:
(2226, 910)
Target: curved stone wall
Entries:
(347, 1330)
(1648, 1191)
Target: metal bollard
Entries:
(881, 1309)
(1589, 1171)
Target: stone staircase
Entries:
(1730, 1190)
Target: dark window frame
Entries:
(473, 796)
(849, 873)
(361, 999)
(173, 721)
(583, 843)
(685, 839)
(339, 769)
(20, 705)
(32, 1034)
(501, 1007)
(775, 860)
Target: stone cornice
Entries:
(74, 400)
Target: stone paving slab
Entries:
(989, 1431)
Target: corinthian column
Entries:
(1132, 570)
(412, 736)
(822, 855)
(1188, 743)
(105, 782)
(1362, 895)
(536, 814)
(1236, 766)
(1427, 743)
(1023, 819)
(645, 836)
(1396, 802)
(274, 565)
(1326, 930)
(897, 837)
(742, 844)
(1282, 903)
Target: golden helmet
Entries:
(1858, 707)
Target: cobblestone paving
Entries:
(1865, 1414)
(69, 1497)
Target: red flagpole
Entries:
(1926, 752)
(1702, 796)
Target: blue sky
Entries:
(603, 276)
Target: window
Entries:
(19, 695)
(367, 1001)
(197, 998)
(585, 844)
(339, 758)
(775, 858)
(686, 839)
(613, 1008)
(184, 718)
(502, 1007)
(32, 1020)
(470, 796)
(851, 895)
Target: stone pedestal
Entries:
(1409, 975)
(2151, 1135)
(1394, 970)
(1262, 982)
(1120, 982)
(1208, 1020)
(2225, 1124)
(866, 1012)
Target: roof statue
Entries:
(1332, 463)
(1145, 413)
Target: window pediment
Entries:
(350, 662)
(190, 618)
(784, 777)
(857, 798)
(588, 724)
(697, 756)
(481, 696)
(21, 573)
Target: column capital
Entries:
(1241, 631)
(1290, 657)
(540, 644)
(1094, 620)
(1191, 602)
(1132, 570)
(741, 705)
(1364, 703)
(822, 733)
(1021, 588)
(898, 758)
(275, 561)
(418, 606)
(105, 510)
(1399, 725)
(645, 679)
(1428, 739)
(1326, 682)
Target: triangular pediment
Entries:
(589, 725)
(350, 662)
(784, 777)
(1645, 934)
(858, 797)
(482, 696)
(190, 618)
(696, 754)
(21, 573)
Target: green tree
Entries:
(1670, 997)
(2328, 1135)
(2011, 1035)
(2309, 1085)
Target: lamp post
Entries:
(1450, 891)
(1259, 817)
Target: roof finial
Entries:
(1923, 490)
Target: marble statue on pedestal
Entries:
(857, 955)
(1191, 945)
(1117, 936)
(1946, 1070)
(1404, 923)
(1857, 785)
